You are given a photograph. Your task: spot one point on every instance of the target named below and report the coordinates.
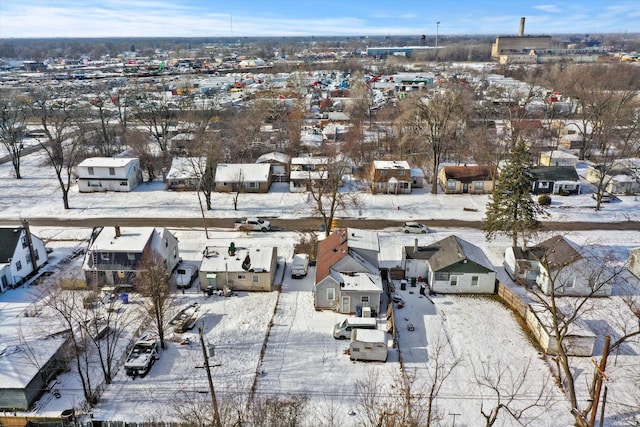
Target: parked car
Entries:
(299, 266)
(184, 275)
(605, 198)
(415, 227)
(252, 224)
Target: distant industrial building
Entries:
(538, 49)
(408, 51)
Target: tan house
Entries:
(239, 268)
(391, 177)
(243, 177)
(466, 179)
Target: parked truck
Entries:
(142, 357)
(368, 344)
(252, 224)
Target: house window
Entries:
(453, 280)
(441, 276)
(131, 256)
(251, 185)
(383, 173)
(175, 252)
(242, 277)
(543, 184)
(256, 278)
(571, 282)
(90, 170)
(451, 184)
(402, 173)
(36, 255)
(478, 186)
(18, 265)
(474, 280)
(24, 242)
(112, 171)
(404, 185)
(380, 185)
(364, 299)
(166, 243)
(28, 259)
(104, 256)
(331, 294)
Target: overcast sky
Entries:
(202, 18)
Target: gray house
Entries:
(347, 276)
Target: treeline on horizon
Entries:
(454, 48)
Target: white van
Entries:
(342, 330)
(300, 265)
(368, 345)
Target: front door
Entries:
(465, 187)
(346, 304)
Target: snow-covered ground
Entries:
(300, 355)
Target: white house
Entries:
(455, 266)
(243, 177)
(108, 174)
(558, 265)
(21, 255)
(114, 253)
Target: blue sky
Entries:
(240, 18)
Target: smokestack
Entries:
(521, 32)
(117, 227)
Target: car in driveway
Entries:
(415, 227)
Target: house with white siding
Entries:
(22, 254)
(97, 174)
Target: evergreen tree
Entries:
(511, 211)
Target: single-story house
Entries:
(558, 158)
(29, 360)
(301, 181)
(22, 254)
(185, 173)
(239, 268)
(554, 180)
(472, 179)
(108, 174)
(454, 266)
(243, 177)
(280, 164)
(623, 177)
(390, 177)
(347, 277)
(114, 253)
(557, 265)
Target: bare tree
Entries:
(510, 393)
(153, 282)
(13, 122)
(436, 121)
(65, 135)
(440, 369)
(155, 112)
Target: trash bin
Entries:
(124, 297)
(423, 289)
(210, 289)
(413, 282)
(358, 311)
(403, 285)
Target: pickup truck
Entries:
(142, 356)
(252, 224)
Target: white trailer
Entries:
(368, 344)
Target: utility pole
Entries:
(600, 375)
(214, 402)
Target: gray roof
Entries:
(8, 241)
(452, 250)
(555, 252)
(554, 173)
